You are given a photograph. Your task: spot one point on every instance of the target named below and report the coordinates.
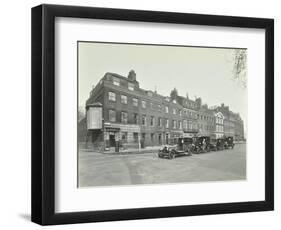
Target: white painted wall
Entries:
(15, 129)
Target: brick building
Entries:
(205, 121)
(233, 124)
(219, 125)
(134, 116)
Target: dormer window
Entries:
(149, 93)
(116, 81)
(131, 86)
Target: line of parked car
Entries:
(187, 146)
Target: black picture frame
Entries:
(43, 114)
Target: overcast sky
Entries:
(201, 72)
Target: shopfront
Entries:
(111, 136)
(125, 135)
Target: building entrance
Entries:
(111, 140)
(167, 138)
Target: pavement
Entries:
(148, 149)
(98, 169)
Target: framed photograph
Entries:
(143, 114)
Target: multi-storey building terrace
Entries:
(134, 116)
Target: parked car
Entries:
(213, 144)
(171, 151)
(185, 144)
(229, 142)
(221, 143)
(201, 144)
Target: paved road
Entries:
(96, 169)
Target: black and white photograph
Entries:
(160, 114)
(140, 114)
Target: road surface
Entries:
(97, 169)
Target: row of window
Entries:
(205, 127)
(135, 102)
(219, 120)
(116, 81)
(151, 121)
(153, 137)
(204, 117)
(131, 86)
(219, 128)
(124, 137)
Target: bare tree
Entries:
(240, 66)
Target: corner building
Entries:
(134, 116)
